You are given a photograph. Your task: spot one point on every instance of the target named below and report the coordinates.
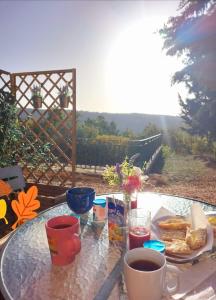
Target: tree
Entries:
(113, 128)
(128, 133)
(93, 127)
(150, 130)
(192, 36)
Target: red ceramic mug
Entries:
(63, 239)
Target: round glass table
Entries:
(26, 271)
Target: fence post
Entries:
(13, 84)
(73, 144)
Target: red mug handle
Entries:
(76, 243)
(72, 245)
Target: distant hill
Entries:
(135, 121)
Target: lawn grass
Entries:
(184, 168)
(186, 176)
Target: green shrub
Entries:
(112, 139)
(182, 142)
(214, 150)
(166, 151)
(200, 145)
(179, 141)
(17, 145)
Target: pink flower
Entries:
(132, 183)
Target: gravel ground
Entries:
(204, 190)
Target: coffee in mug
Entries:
(144, 273)
(63, 239)
(144, 265)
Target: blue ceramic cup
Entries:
(80, 199)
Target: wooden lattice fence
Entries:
(51, 123)
(5, 82)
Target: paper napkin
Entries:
(198, 218)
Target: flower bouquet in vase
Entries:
(129, 179)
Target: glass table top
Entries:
(26, 271)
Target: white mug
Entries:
(147, 285)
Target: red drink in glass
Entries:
(133, 204)
(137, 236)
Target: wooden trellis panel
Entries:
(5, 83)
(51, 123)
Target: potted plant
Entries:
(64, 96)
(36, 96)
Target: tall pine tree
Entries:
(192, 36)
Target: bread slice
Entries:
(169, 235)
(177, 247)
(196, 238)
(212, 221)
(174, 223)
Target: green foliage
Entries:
(111, 176)
(64, 90)
(179, 141)
(94, 127)
(99, 153)
(128, 133)
(214, 150)
(166, 151)
(36, 91)
(115, 175)
(112, 138)
(86, 131)
(192, 36)
(17, 143)
(150, 130)
(184, 143)
(200, 145)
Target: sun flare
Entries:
(138, 73)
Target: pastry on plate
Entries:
(174, 223)
(196, 238)
(212, 221)
(177, 247)
(169, 235)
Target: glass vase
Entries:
(127, 208)
(130, 202)
(131, 199)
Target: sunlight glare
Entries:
(138, 73)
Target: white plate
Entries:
(208, 214)
(185, 258)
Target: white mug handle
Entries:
(171, 290)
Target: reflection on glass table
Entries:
(26, 271)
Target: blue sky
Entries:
(120, 64)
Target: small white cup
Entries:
(143, 285)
